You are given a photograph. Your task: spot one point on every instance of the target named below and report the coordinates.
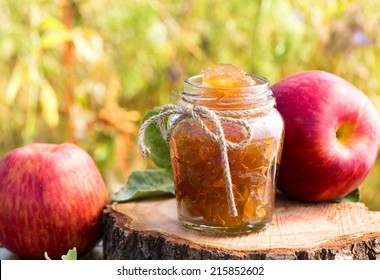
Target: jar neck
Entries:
(222, 99)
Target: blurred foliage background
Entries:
(86, 71)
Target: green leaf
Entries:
(159, 149)
(71, 255)
(146, 183)
(353, 196)
(53, 39)
(51, 23)
(49, 105)
(14, 84)
(47, 256)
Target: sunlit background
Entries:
(87, 71)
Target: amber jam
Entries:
(201, 193)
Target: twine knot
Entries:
(198, 114)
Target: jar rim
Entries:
(253, 96)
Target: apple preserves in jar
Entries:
(198, 168)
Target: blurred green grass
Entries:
(85, 71)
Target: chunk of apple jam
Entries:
(226, 76)
(200, 186)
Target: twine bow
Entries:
(198, 113)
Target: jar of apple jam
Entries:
(203, 194)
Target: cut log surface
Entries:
(149, 229)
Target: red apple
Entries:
(51, 199)
(332, 134)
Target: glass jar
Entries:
(201, 192)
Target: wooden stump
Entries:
(149, 230)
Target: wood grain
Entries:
(150, 230)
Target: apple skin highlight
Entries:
(332, 136)
(51, 200)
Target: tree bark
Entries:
(149, 230)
